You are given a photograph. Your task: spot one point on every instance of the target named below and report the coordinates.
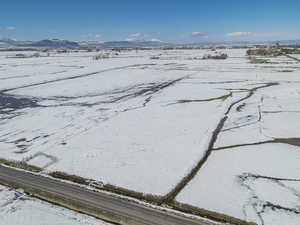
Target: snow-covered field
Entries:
(16, 208)
(253, 172)
(143, 124)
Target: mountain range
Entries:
(57, 43)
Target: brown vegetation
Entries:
(254, 60)
(21, 165)
(267, 52)
(208, 214)
(290, 51)
(155, 199)
(73, 178)
(220, 56)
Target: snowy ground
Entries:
(253, 173)
(16, 208)
(119, 122)
(143, 123)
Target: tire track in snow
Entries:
(73, 77)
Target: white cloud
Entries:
(135, 37)
(197, 34)
(155, 40)
(193, 37)
(53, 32)
(91, 36)
(8, 28)
(130, 39)
(238, 34)
(141, 37)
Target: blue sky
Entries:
(166, 20)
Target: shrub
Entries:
(290, 51)
(154, 57)
(20, 165)
(254, 60)
(73, 178)
(264, 52)
(101, 56)
(219, 56)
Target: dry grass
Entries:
(20, 165)
(155, 199)
(69, 177)
(258, 61)
(208, 214)
(271, 52)
(290, 50)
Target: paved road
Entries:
(109, 206)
